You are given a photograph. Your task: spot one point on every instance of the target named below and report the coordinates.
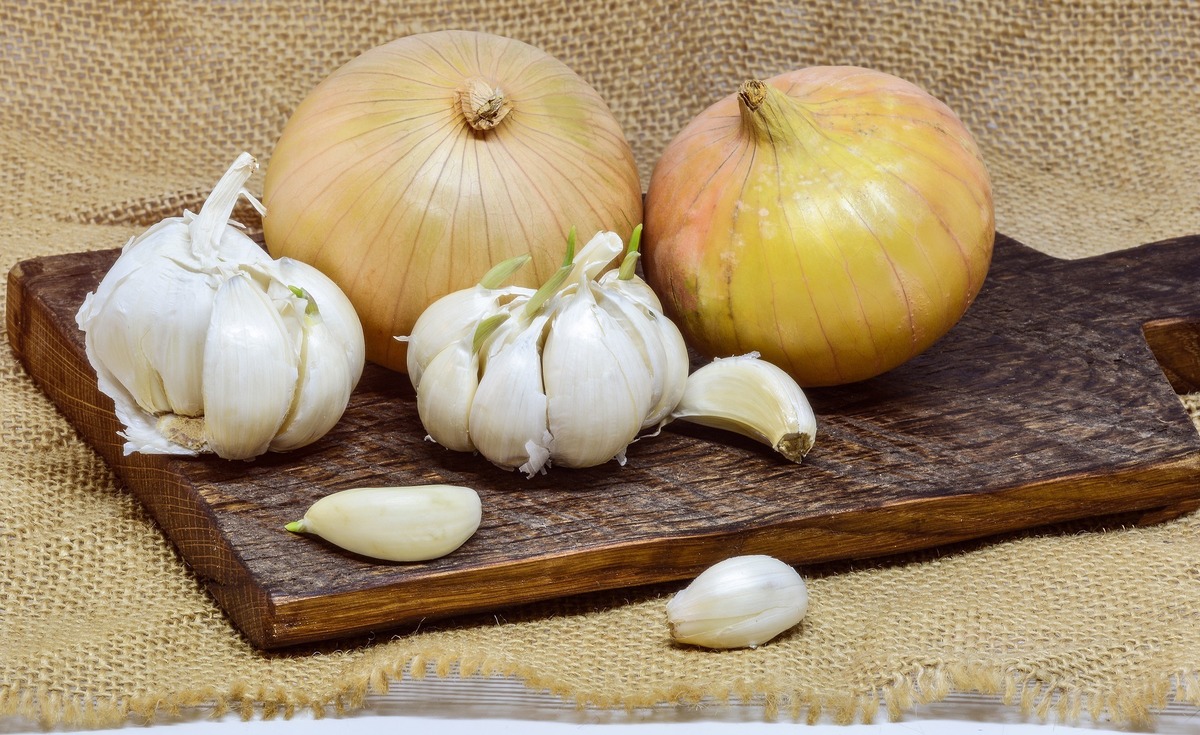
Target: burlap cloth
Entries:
(113, 115)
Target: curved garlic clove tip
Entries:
(741, 602)
(402, 524)
(751, 397)
(596, 256)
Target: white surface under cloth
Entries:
(454, 706)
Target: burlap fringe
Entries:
(1135, 705)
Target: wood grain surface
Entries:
(1045, 403)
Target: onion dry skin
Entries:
(837, 220)
(414, 168)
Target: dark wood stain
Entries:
(1046, 403)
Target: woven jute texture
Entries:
(113, 115)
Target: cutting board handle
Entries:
(1175, 343)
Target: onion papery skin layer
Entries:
(379, 180)
(837, 220)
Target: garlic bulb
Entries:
(412, 523)
(567, 374)
(741, 602)
(751, 397)
(207, 345)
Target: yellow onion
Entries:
(837, 220)
(425, 161)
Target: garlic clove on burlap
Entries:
(741, 602)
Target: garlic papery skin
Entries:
(403, 524)
(207, 345)
(741, 602)
(752, 397)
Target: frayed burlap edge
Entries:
(1134, 705)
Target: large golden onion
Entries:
(411, 170)
(837, 220)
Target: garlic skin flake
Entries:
(406, 524)
(741, 602)
(751, 397)
(207, 345)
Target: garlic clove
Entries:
(250, 371)
(508, 422)
(661, 346)
(405, 524)
(336, 311)
(450, 319)
(633, 288)
(323, 385)
(741, 602)
(174, 343)
(446, 393)
(598, 387)
(751, 397)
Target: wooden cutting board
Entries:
(1045, 403)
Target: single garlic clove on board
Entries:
(411, 523)
(753, 398)
(741, 602)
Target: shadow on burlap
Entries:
(113, 118)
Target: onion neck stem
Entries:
(482, 105)
(770, 115)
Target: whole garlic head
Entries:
(741, 602)
(568, 374)
(207, 345)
